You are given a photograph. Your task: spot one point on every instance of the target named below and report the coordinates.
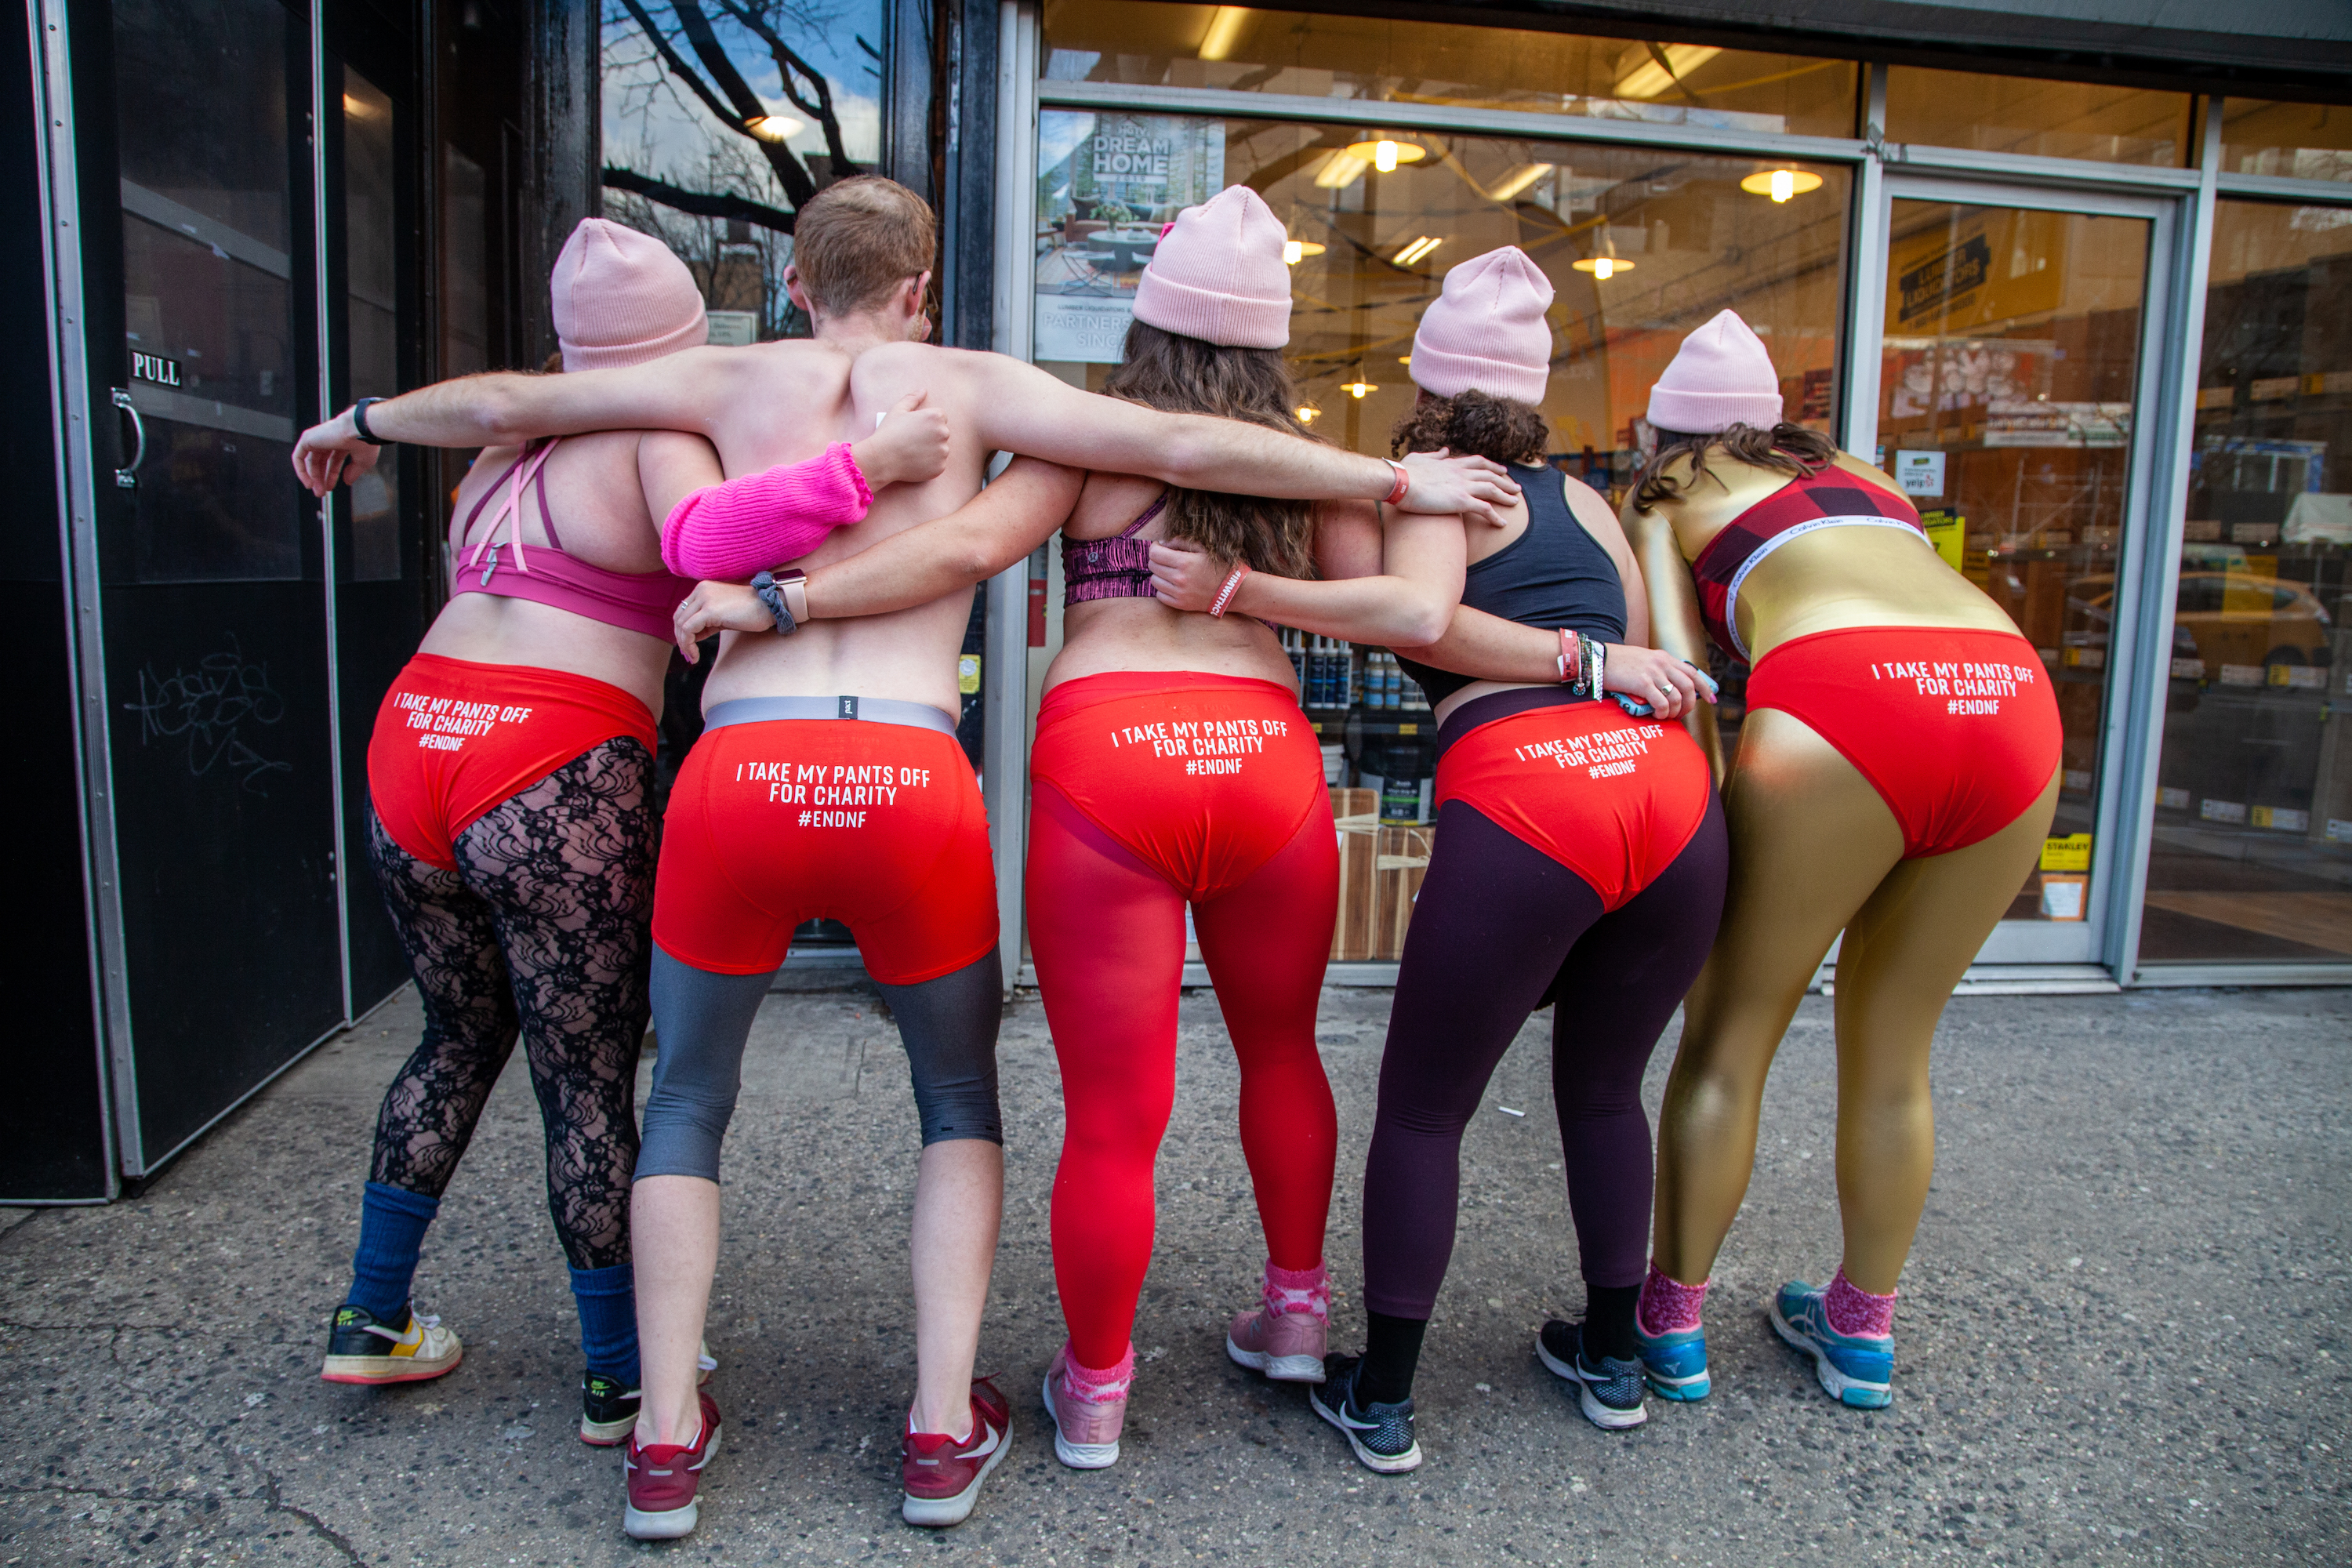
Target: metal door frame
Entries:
(60, 176)
(2153, 495)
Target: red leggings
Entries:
(1106, 929)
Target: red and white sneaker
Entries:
(942, 1477)
(662, 1480)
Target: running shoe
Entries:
(360, 1348)
(1086, 1431)
(608, 1409)
(1287, 1346)
(942, 1475)
(663, 1479)
(1674, 1364)
(1382, 1435)
(1608, 1390)
(1856, 1370)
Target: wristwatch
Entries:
(786, 595)
(360, 424)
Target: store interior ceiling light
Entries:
(1418, 250)
(1386, 154)
(1308, 413)
(1340, 171)
(1648, 70)
(1517, 179)
(1781, 184)
(1602, 266)
(1358, 387)
(773, 127)
(1224, 32)
(357, 108)
(1295, 251)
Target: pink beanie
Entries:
(1722, 376)
(1486, 331)
(621, 297)
(1218, 274)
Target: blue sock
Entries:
(392, 1234)
(608, 1321)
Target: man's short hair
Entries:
(858, 239)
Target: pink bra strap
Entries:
(1154, 509)
(525, 468)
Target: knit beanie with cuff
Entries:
(1721, 376)
(622, 299)
(1218, 274)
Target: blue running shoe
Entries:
(1855, 1369)
(1674, 1364)
(1382, 1435)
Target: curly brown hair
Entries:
(1785, 448)
(1179, 375)
(1472, 425)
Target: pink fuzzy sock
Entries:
(1852, 1310)
(1298, 1290)
(1102, 1387)
(1668, 1306)
(761, 520)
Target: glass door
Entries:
(2011, 407)
(201, 347)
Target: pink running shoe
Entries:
(1087, 1420)
(1285, 1337)
(663, 1479)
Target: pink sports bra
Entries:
(642, 602)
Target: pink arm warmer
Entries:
(761, 520)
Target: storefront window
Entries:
(1238, 48)
(2295, 141)
(1641, 246)
(2252, 852)
(720, 119)
(2007, 380)
(2026, 114)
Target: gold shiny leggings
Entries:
(1815, 850)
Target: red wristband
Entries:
(1233, 586)
(1404, 481)
(1571, 656)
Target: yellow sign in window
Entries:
(2071, 852)
(1946, 531)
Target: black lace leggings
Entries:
(545, 929)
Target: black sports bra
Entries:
(1554, 574)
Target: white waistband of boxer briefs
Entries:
(871, 709)
(1731, 595)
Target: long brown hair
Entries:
(1168, 370)
(1785, 448)
(1471, 425)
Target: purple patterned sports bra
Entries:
(1118, 567)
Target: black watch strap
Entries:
(360, 424)
(764, 585)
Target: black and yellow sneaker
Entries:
(362, 1349)
(608, 1410)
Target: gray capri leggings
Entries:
(701, 1021)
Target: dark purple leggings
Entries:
(1499, 928)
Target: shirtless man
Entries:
(781, 812)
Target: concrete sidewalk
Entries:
(2123, 1337)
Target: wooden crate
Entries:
(1399, 864)
(1355, 814)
